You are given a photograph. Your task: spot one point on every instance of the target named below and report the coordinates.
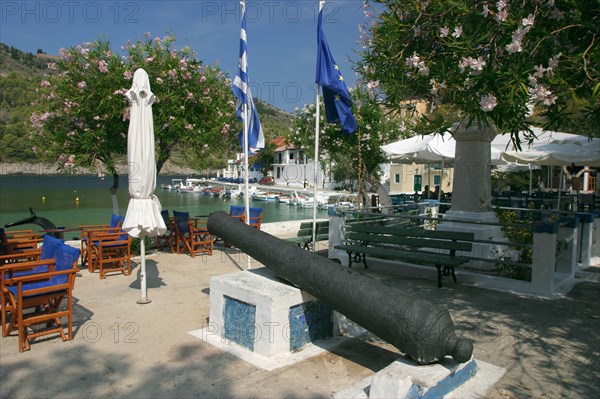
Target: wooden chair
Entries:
(29, 263)
(191, 235)
(15, 242)
(169, 237)
(89, 248)
(36, 297)
(113, 253)
(239, 212)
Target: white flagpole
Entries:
(246, 113)
(316, 160)
(315, 173)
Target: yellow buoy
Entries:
(43, 199)
(77, 200)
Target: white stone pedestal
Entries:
(448, 379)
(264, 321)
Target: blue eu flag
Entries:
(338, 104)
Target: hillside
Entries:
(20, 75)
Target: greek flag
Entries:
(241, 91)
(337, 101)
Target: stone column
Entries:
(471, 190)
(471, 205)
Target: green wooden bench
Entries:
(304, 235)
(408, 245)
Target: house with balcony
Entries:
(291, 167)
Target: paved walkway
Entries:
(551, 349)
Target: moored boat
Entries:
(175, 184)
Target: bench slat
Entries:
(400, 231)
(410, 241)
(421, 258)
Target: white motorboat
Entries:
(191, 185)
(175, 184)
(264, 196)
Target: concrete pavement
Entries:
(550, 349)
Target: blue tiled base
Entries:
(309, 321)
(239, 321)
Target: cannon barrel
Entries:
(34, 219)
(417, 327)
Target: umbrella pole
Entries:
(560, 185)
(143, 300)
(530, 177)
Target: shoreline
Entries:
(49, 168)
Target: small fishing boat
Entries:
(263, 196)
(190, 185)
(175, 184)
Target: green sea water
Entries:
(75, 200)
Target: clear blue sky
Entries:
(281, 34)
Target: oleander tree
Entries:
(513, 63)
(340, 153)
(82, 115)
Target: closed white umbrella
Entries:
(143, 218)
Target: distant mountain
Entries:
(275, 122)
(23, 63)
(20, 76)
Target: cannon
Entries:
(417, 327)
(40, 221)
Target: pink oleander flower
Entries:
(188, 126)
(457, 32)
(51, 66)
(159, 80)
(412, 61)
(82, 85)
(553, 62)
(444, 31)
(202, 79)
(172, 73)
(487, 102)
(373, 84)
(190, 96)
(102, 66)
(44, 83)
(528, 21)
(149, 59)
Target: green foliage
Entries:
(516, 235)
(375, 127)
(517, 181)
(82, 113)
(489, 61)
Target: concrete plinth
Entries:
(405, 379)
(263, 318)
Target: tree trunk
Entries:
(113, 193)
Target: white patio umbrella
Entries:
(143, 218)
